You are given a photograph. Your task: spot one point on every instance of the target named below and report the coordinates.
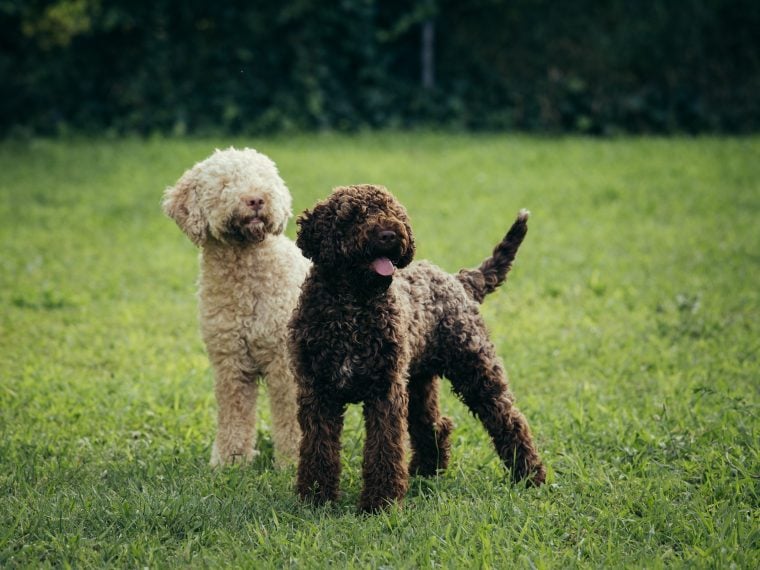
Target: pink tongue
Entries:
(383, 266)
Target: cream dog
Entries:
(234, 206)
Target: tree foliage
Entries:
(238, 66)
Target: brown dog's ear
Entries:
(315, 234)
(181, 204)
(306, 239)
(407, 255)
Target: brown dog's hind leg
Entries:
(479, 379)
(428, 431)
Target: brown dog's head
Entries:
(362, 232)
(235, 197)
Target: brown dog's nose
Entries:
(255, 203)
(386, 237)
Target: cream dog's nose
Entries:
(255, 203)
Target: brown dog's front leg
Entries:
(319, 462)
(385, 472)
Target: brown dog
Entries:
(371, 327)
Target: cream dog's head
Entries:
(235, 197)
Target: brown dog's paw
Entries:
(315, 494)
(373, 505)
(534, 476)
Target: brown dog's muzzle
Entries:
(385, 240)
(386, 236)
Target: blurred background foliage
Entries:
(242, 67)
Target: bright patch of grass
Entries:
(630, 328)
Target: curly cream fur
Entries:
(235, 206)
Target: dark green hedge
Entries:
(239, 66)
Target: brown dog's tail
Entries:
(493, 271)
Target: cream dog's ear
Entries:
(284, 211)
(282, 225)
(181, 204)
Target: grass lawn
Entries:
(630, 328)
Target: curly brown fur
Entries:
(493, 271)
(372, 327)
